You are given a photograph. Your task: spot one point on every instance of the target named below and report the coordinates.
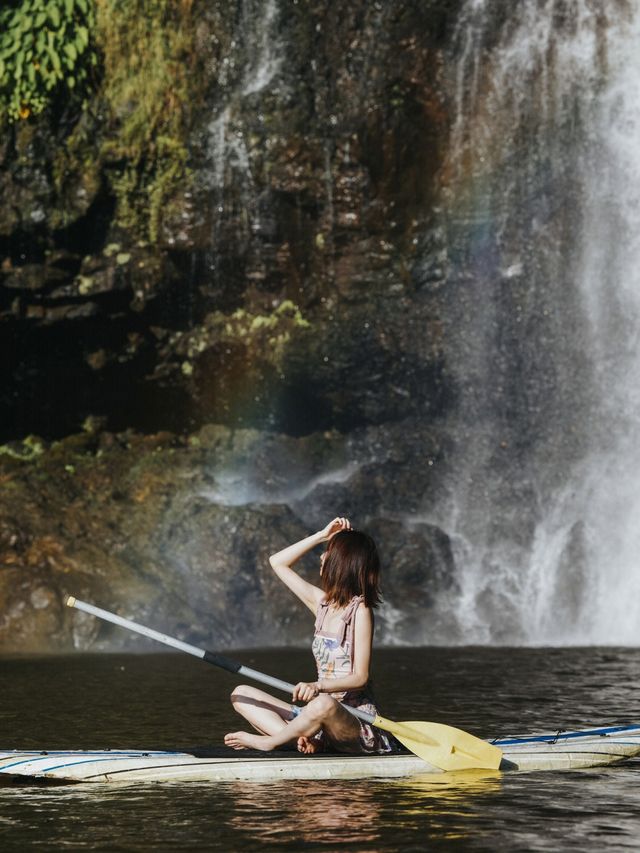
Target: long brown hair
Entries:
(351, 567)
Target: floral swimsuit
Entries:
(334, 654)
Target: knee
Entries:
(242, 692)
(322, 706)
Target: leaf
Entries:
(55, 61)
(70, 50)
(71, 82)
(68, 6)
(54, 14)
(13, 48)
(15, 19)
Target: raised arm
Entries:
(282, 562)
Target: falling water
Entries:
(541, 206)
(251, 65)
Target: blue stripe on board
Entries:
(107, 756)
(566, 735)
(74, 764)
(131, 753)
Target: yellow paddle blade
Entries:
(444, 746)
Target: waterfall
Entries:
(237, 139)
(252, 64)
(541, 224)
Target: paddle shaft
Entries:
(203, 654)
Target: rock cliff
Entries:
(219, 283)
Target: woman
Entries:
(343, 607)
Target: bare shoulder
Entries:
(364, 615)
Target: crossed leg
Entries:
(278, 725)
(266, 714)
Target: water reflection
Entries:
(313, 812)
(449, 786)
(330, 812)
(445, 807)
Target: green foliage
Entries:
(265, 336)
(27, 450)
(287, 316)
(150, 91)
(45, 50)
(148, 74)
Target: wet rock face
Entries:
(250, 349)
(176, 533)
(312, 157)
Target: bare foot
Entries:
(244, 740)
(307, 745)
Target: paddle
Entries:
(442, 746)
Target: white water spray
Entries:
(226, 135)
(547, 539)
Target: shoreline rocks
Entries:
(176, 532)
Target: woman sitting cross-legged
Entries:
(343, 607)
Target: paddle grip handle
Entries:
(222, 662)
(246, 671)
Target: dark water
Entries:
(166, 701)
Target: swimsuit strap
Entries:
(349, 622)
(321, 615)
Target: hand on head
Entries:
(336, 526)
